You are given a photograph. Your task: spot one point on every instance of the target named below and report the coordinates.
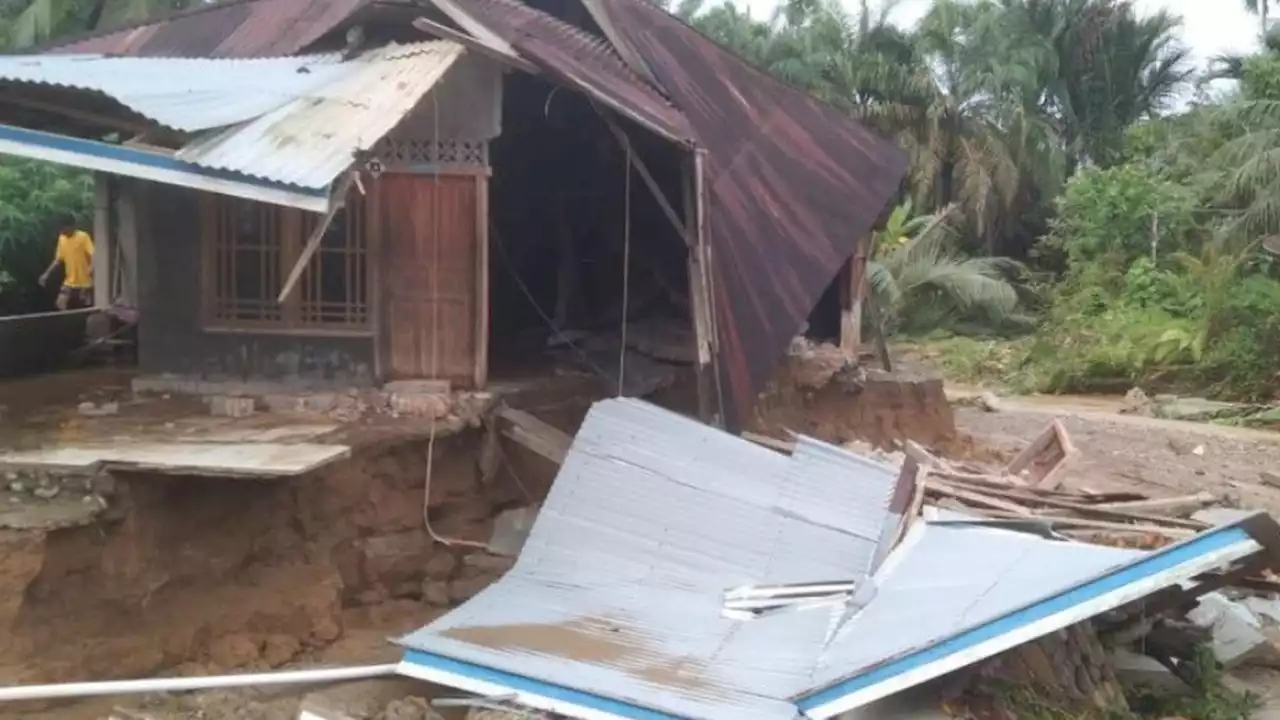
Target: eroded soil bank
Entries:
(209, 575)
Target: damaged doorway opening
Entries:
(579, 242)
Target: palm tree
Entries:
(42, 20)
(1259, 8)
(921, 280)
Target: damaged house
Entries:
(348, 193)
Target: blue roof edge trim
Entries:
(144, 158)
(1165, 559)
(520, 683)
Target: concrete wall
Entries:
(170, 337)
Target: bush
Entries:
(1108, 217)
(1240, 360)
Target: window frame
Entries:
(291, 227)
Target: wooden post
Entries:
(126, 239)
(104, 248)
(699, 294)
(851, 298)
(482, 281)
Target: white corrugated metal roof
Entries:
(618, 590)
(613, 609)
(313, 138)
(187, 94)
(296, 123)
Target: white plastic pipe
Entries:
(185, 684)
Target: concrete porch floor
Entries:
(83, 421)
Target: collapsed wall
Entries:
(225, 573)
(820, 391)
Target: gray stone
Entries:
(47, 492)
(1266, 610)
(1133, 669)
(511, 529)
(88, 408)
(1238, 637)
(17, 487)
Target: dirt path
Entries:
(1140, 454)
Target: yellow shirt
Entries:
(75, 252)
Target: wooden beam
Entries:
(337, 201)
(77, 114)
(851, 297)
(639, 164)
(504, 54)
(699, 296)
(1093, 524)
(535, 434)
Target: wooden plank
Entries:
(783, 446)
(975, 498)
(1180, 505)
(1104, 513)
(1054, 434)
(1095, 524)
(337, 200)
(538, 436)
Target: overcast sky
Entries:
(1210, 27)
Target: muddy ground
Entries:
(202, 579)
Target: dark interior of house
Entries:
(559, 230)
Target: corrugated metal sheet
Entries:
(238, 28)
(955, 577)
(614, 607)
(793, 185)
(581, 60)
(183, 94)
(312, 139)
(652, 517)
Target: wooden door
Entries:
(433, 312)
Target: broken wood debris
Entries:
(1029, 488)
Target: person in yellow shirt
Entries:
(75, 254)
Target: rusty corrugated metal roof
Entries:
(581, 60)
(236, 28)
(792, 186)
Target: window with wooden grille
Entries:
(251, 247)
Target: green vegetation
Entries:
(1069, 223)
(35, 196)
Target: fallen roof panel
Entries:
(615, 607)
(927, 619)
(618, 591)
